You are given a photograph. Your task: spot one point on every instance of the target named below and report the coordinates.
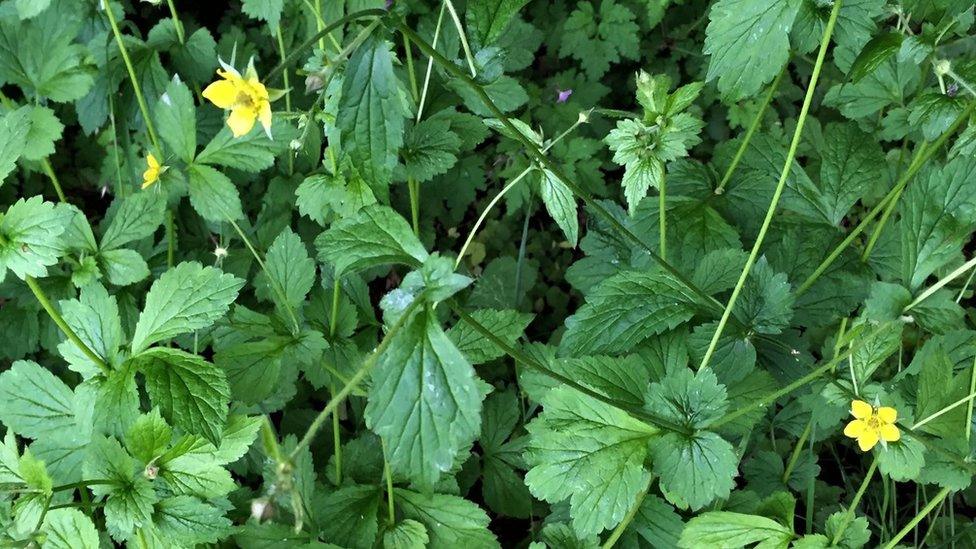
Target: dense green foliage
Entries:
(484, 273)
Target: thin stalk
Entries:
(388, 475)
(959, 271)
(463, 36)
(922, 156)
(935, 415)
(176, 22)
(969, 408)
(430, 63)
(917, 519)
(286, 80)
(849, 514)
(84, 484)
(46, 164)
(361, 14)
(336, 435)
(662, 220)
(65, 329)
(143, 107)
(753, 126)
(536, 153)
(414, 189)
(771, 211)
(412, 76)
(797, 448)
(890, 208)
(170, 239)
(357, 378)
(619, 530)
(275, 286)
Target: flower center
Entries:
(874, 422)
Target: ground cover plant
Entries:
(487, 273)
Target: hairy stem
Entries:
(780, 185)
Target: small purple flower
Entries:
(563, 95)
(389, 4)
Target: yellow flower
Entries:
(245, 96)
(871, 425)
(153, 170)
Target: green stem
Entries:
(170, 239)
(849, 514)
(797, 448)
(619, 530)
(388, 474)
(176, 22)
(771, 211)
(917, 519)
(65, 329)
(959, 271)
(272, 281)
(46, 164)
(969, 408)
(414, 189)
(662, 219)
(430, 62)
(922, 156)
(935, 415)
(484, 214)
(463, 36)
(336, 435)
(412, 76)
(536, 153)
(361, 14)
(83, 484)
(358, 377)
(753, 126)
(143, 107)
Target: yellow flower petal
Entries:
(855, 428)
(867, 440)
(861, 409)
(890, 433)
(222, 93)
(151, 161)
(241, 121)
(265, 117)
(887, 414)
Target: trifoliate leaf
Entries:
(425, 401)
(625, 310)
(748, 41)
(190, 392)
(590, 453)
(376, 236)
(185, 298)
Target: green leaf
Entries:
(657, 522)
(130, 498)
(94, 317)
(148, 437)
(851, 163)
(903, 459)
(598, 38)
(176, 120)
(748, 41)
(766, 302)
(694, 470)
(506, 325)
(407, 534)
(250, 153)
(560, 204)
(370, 116)
(425, 401)
(855, 24)
(881, 48)
(725, 529)
(451, 521)
(237, 437)
(188, 521)
(69, 529)
(503, 488)
(488, 19)
(191, 393)
(687, 398)
(622, 379)
(288, 265)
(213, 195)
(376, 236)
(590, 453)
(626, 309)
(430, 149)
(116, 401)
(45, 130)
(14, 128)
(137, 216)
(185, 298)
(937, 389)
(265, 10)
(934, 112)
(856, 534)
(36, 403)
(349, 516)
(191, 468)
(39, 54)
(938, 213)
(123, 267)
(29, 237)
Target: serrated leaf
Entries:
(349, 516)
(69, 529)
(694, 469)
(288, 265)
(191, 393)
(36, 403)
(560, 204)
(176, 120)
(265, 10)
(450, 520)
(507, 325)
(874, 53)
(407, 534)
(14, 127)
(430, 149)
(45, 129)
(376, 236)
(31, 231)
(489, 18)
(424, 402)
(725, 529)
(189, 521)
(185, 298)
(590, 453)
(251, 153)
(136, 217)
(213, 195)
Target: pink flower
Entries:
(563, 95)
